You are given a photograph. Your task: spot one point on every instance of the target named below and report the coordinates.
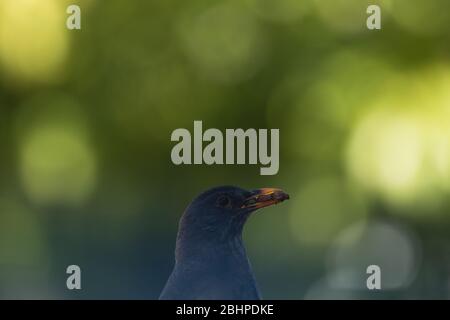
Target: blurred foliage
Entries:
(86, 117)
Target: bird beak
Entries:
(264, 197)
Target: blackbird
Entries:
(210, 257)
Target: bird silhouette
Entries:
(210, 258)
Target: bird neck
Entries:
(229, 250)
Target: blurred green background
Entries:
(364, 118)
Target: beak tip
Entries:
(281, 195)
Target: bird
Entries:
(211, 262)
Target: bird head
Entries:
(220, 213)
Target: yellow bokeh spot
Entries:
(57, 166)
(399, 157)
(400, 149)
(386, 153)
(33, 39)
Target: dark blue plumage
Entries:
(210, 257)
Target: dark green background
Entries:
(86, 117)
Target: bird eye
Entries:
(223, 201)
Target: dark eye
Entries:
(224, 201)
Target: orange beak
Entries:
(265, 197)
